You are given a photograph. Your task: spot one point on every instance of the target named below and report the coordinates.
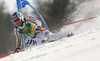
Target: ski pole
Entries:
(73, 22)
(18, 7)
(23, 42)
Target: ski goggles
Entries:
(16, 20)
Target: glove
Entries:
(37, 30)
(17, 50)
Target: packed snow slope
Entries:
(82, 47)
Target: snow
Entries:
(82, 47)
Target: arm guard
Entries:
(18, 38)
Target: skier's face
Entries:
(17, 21)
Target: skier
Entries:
(29, 27)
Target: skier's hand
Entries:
(17, 50)
(37, 30)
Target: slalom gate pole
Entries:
(39, 16)
(26, 2)
(73, 22)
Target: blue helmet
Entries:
(17, 15)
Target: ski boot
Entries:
(70, 34)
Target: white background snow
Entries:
(83, 46)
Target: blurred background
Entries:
(54, 12)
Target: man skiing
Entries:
(29, 27)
